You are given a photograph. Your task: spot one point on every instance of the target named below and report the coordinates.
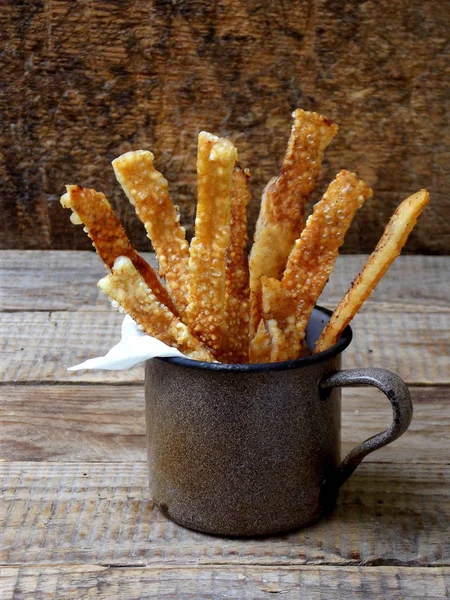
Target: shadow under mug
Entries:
(242, 450)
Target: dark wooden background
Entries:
(83, 81)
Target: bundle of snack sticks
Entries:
(218, 304)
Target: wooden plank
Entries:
(101, 513)
(39, 346)
(416, 347)
(375, 69)
(211, 583)
(412, 284)
(8, 581)
(67, 281)
(53, 280)
(104, 423)
(365, 411)
(72, 423)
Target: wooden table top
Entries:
(76, 519)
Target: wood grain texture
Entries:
(101, 513)
(106, 423)
(88, 81)
(76, 518)
(211, 583)
(54, 316)
(40, 346)
(36, 280)
(72, 423)
(67, 281)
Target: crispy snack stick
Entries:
(261, 345)
(127, 288)
(147, 190)
(205, 311)
(312, 259)
(235, 343)
(108, 236)
(279, 349)
(388, 248)
(269, 344)
(278, 307)
(281, 218)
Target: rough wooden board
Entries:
(412, 284)
(67, 280)
(72, 423)
(366, 411)
(39, 346)
(211, 583)
(104, 423)
(8, 581)
(53, 280)
(416, 347)
(152, 74)
(101, 513)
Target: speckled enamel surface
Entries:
(237, 453)
(246, 452)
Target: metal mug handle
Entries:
(398, 394)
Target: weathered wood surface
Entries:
(105, 423)
(90, 80)
(76, 520)
(49, 323)
(39, 346)
(101, 513)
(239, 583)
(66, 281)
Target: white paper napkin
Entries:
(135, 347)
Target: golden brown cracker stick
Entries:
(269, 344)
(281, 218)
(107, 234)
(279, 349)
(279, 307)
(312, 259)
(235, 342)
(261, 344)
(205, 311)
(126, 286)
(147, 190)
(388, 248)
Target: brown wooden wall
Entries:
(84, 80)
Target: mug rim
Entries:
(312, 359)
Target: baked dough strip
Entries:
(281, 218)
(235, 342)
(388, 248)
(126, 287)
(103, 226)
(312, 259)
(148, 192)
(208, 251)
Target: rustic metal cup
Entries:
(245, 450)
